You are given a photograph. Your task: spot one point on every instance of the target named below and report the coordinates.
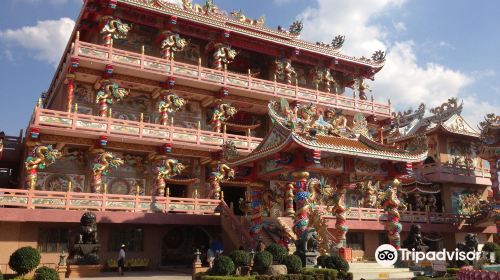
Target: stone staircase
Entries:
(372, 270)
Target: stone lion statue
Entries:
(88, 229)
(414, 239)
(470, 243)
(308, 242)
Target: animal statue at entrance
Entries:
(167, 169)
(222, 56)
(113, 28)
(470, 244)
(414, 239)
(170, 103)
(239, 16)
(103, 162)
(222, 173)
(391, 204)
(86, 248)
(41, 156)
(284, 70)
(222, 113)
(308, 241)
(108, 93)
(171, 44)
(323, 77)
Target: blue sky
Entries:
(436, 49)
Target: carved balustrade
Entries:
(76, 123)
(35, 199)
(164, 67)
(453, 169)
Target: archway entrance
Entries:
(233, 194)
(178, 244)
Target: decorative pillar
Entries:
(70, 83)
(102, 164)
(494, 178)
(222, 173)
(289, 212)
(167, 169)
(391, 204)
(256, 189)
(171, 44)
(339, 210)
(220, 114)
(108, 93)
(301, 199)
(113, 28)
(170, 103)
(41, 156)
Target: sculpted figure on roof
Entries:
(238, 15)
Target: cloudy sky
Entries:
(435, 49)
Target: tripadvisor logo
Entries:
(387, 255)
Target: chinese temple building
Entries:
(178, 125)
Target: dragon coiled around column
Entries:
(304, 200)
(168, 169)
(108, 93)
(391, 204)
(172, 43)
(114, 28)
(222, 173)
(103, 162)
(222, 113)
(222, 56)
(284, 69)
(170, 103)
(41, 156)
(339, 211)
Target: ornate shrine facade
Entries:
(185, 124)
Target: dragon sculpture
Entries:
(221, 113)
(305, 196)
(167, 169)
(108, 93)
(102, 164)
(239, 16)
(208, 8)
(284, 70)
(222, 56)
(449, 106)
(378, 56)
(170, 103)
(114, 28)
(323, 77)
(370, 192)
(361, 87)
(222, 173)
(256, 209)
(339, 211)
(171, 44)
(317, 222)
(296, 27)
(269, 199)
(338, 41)
(40, 157)
(391, 204)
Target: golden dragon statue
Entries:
(168, 169)
(221, 113)
(170, 103)
(222, 173)
(113, 28)
(103, 162)
(41, 156)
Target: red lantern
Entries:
(108, 71)
(35, 133)
(103, 141)
(167, 148)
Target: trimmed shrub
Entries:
(327, 274)
(1, 275)
(24, 260)
(337, 262)
(293, 264)
(209, 277)
(223, 266)
(263, 259)
(45, 273)
(321, 260)
(492, 247)
(345, 275)
(452, 270)
(279, 252)
(240, 257)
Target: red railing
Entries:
(375, 214)
(453, 169)
(193, 73)
(235, 228)
(35, 199)
(89, 124)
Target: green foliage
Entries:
(492, 247)
(321, 260)
(1, 275)
(209, 277)
(336, 262)
(279, 252)
(452, 270)
(263, 259)
(293, 264)
(46, 273)
(222, 266)
(24, 260)
(326, 274)
(343, 275)
(240, 257)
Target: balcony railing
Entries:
(133, 130)
(451, 169)
(35, 199)
(110, 55)
(375, 214)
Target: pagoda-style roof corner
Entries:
(303, 127)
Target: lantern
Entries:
(103, 141)
(167, 148)
(112, 4)
(74, 63)
(316, 156)
(227, 34)
(172, 20)
(171, 82)
(35, 133)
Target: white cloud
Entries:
(402, 79)
(47, 39)
(399, 26)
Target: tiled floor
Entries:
(152, 275)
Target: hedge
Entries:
(263, 259)
(46, 273)
(1, 275)
(210, 277)
(24, 260)
(293, 264)
(240, 257)
(452, 270)
(328, 274)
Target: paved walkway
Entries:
(150, 275)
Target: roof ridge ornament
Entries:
(338, 41)
(403, 118)
(296, 27)
(446, 110)
(379, 56)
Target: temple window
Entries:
(133, 238)
(356, 240)
(53, 240)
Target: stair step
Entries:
(383, 275)
(379, 269)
